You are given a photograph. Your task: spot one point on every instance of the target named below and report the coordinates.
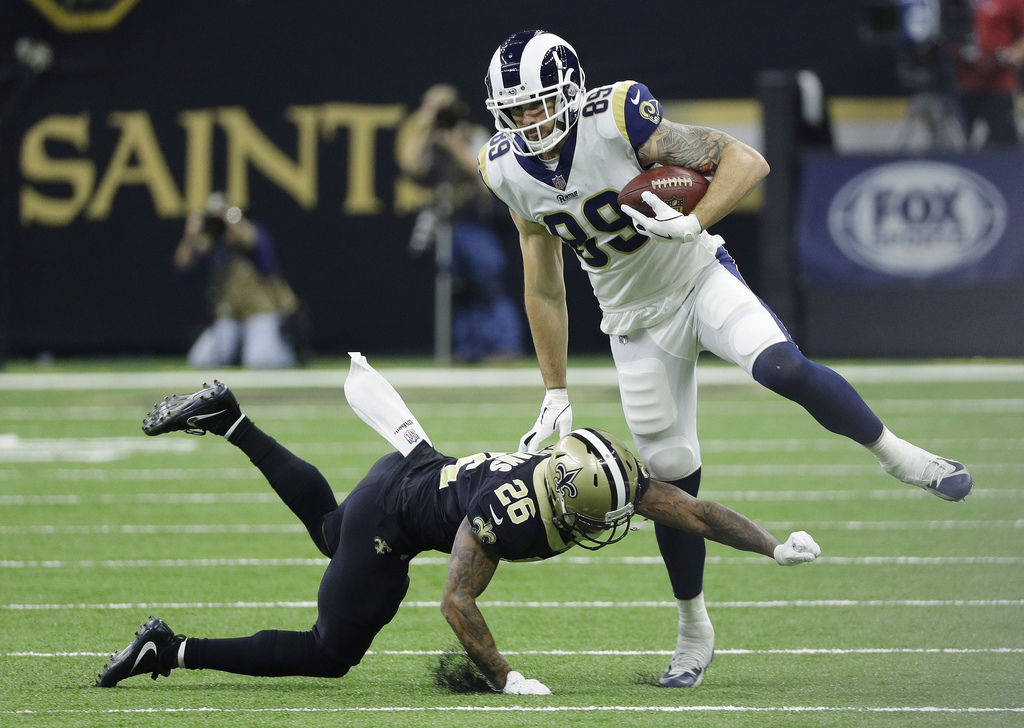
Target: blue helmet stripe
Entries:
(510, 75)
(511, 57)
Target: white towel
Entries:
(372, 397)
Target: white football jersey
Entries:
(638, 281)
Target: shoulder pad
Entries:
(635, 110)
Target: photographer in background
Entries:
(251, 301)
(988, 70)
(437, 148)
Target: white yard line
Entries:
(502, 410)
(250, 528)
(896, 493)
(992, 470)
(443, 561)
(798, 651)
(152, 528)
(778, 604)
(523, 709)
(470, 377)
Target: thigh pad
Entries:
(646, 396)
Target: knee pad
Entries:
(646, 397)
(781, 368)
(670, 459)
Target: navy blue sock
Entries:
(683, 553)
(830, 399)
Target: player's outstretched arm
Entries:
(670, 506)
(547, 312)
(469, 572)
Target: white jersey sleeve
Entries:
(638, 281)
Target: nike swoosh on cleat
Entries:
(194, 419)
(636, 99)
(494, 516)
(146, 649)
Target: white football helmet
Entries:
(534, 65)
(593, 482)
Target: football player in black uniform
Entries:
(480, 509)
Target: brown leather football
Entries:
(681, 188)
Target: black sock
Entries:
(269, 653)
(168, 657)
(299, 484)
(238, 430)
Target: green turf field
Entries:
(914, 616)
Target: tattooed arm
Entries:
(670, 506)
(735, 168)
(469, 572)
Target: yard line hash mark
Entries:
(74, 499)
(440, 561)
(247, 528)
(810, 651)
(522, 709)
(809, 603)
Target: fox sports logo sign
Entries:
(917, 218)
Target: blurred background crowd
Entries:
(315, 165)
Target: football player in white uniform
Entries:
(666, 286)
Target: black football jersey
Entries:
(502, 494)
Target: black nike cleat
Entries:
(147, 653)
(211, 409)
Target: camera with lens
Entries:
(213, 226)
(450, 115)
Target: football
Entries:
(680, 187)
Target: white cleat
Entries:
(695, 647)
(947, 479)
(684, 671)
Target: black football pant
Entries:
(360, 591)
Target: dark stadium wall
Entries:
(293, 108)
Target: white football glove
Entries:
(799, 548)
(516, 684)
(667, 224)
(555, 413)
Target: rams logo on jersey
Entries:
(649, 110)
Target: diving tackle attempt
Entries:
(481, 509)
